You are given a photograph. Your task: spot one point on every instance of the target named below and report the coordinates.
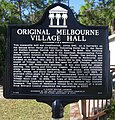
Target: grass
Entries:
(27, 110)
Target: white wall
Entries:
(112, 49)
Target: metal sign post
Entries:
(57, 110)
(57, 61)
(57, 119)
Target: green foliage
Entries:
(98, 12)
(112, 111)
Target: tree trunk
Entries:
(113, 26)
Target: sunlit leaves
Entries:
(98, 12)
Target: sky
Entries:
(76, 4)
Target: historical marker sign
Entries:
(57, 58)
